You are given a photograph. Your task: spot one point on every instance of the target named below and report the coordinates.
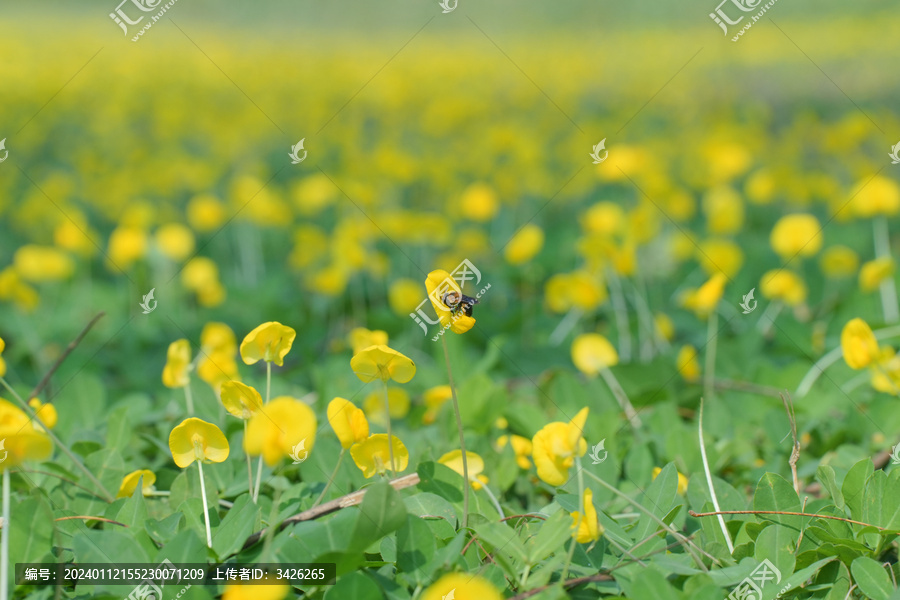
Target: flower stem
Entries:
(189, 399)
(620, 309)
(709, 373)
(889, 285)
(249, 467)
(577, 526)
(494, 500)
(330, 479)
(387, 416)
(59, 443)
(259, 466)
(709, 481)
(205, 509)
(4, 542)
(462, 440)
(617, 390)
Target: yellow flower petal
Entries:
(278, 427)
(240, 399)
(462, 586)
(195, 439)
(178, 364)
(270, 342)
(592, 353)
(130, 483)
(858, 344)
(372, 456)
(382, 362)
(348, 422)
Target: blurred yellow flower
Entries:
(240, 399)
(462, 586)
(438, 284)
(217, 337)
(348, 422)
(215, 367)
(178, 364)
(591, 353)
(175, 241)
(21, 441)
(555, 447)
(434, 399)
(270, 342)
(311, 195)
(880, 196)
(885, 372)
(195, 439)
(679, 205)
(361, 338)
(796, 235)
(760, 186)
(398, 401)
(75, 236)
(784, 285)
(874, 272)
(46, 413)
(719, 254)
(682, 481)
(13, 288)
(474, 462)
(329, 281)
(130, 483)
(258, 591)
(588, 527)
(521, 446)
(382, 362)
(479, 203)
(704, 299)
(724, 211)
(578, 289)
(278, 427)
(372, 455)
(404, 296)
(201, 275)
(858, 344)
(2, 362)
(206, 213)
(687, 363)
(524, 245)
(42, 263)
(664, 326)
(126, 245)
(604, 218)
(839, 261)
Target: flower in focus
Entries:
(524, 245)
(46, 413)
(858, 344)
(348, 422)
(591, 353)
(874, 272)
(240, 399)
(398, 405)
(275, 430)
(130, 483)
(178, 364)
(682, 481)
(589, 528)
(361, 338)
(382, 362)
(687, 363)
(195, 439)
(404, 296)
(704, 299)
(839, 261)
(522, 448)
(21, 441)
(373, 456)
(438, 284)
(270, 342)
(434, 399)
(462, 586)
(175, 241)
(474, 462)
(880, 196)
(783, 285)
(42, 263)
(796, 235)
(555, 447)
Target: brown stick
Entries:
(331, 506)
(782, 512)
(46, 379)
(88, 518)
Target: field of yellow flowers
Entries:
(475, 308)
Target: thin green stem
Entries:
(189, 399)
(330, 479)
(577, 526)
(709, 374)
(494, 500)
(620, 395)
(889, 285)
(4, 542)
(108, 497)
(249, 467)
(387, 416)
(205, 508)
(462, 440)
(259, 466)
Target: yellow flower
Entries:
(462, 586)
(604, 218)
(886, 372)
(13, 288)
(704, 299)
(858, 344)
(382, 362)
(474, 462)
(589, 528)
(178, 364)
(257, 591)
(46, 413)
(348, 422)
(21, 441)
(206, 213)
(42, 263)
(434, 399)
(201, 275)
(880, 196)
(796, 235)
(839, 261)
(217, 337)
(130, 483)
(524, 245)
(2, 362)
(240, 399)
(874, 272)
(479, 202)
(270, 342)
(373, 456)
(361, 338)
(439, 284)
(722, 255)
(724, 211)
(579, 289)
(398, 403)
(216, 367)
(682, 481)
(404, 296)
(555, 447)
(591, 353)
(175, 241)
(280, 426)
(126, 245)
(687, 363)
(784, 285)
(522, 447)
(195, 439)
(664, 326)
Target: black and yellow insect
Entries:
(458, 302)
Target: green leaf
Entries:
(854, 487)
(354, 585)
(415, 549)
(881, 505)
(185, 547)
(658, 499)
(771, 592)
(31, 530)
(440, 480)
(134, 512)
(776, 543)
(825, 475)
(774, 493)
(652, 584)
(550, 537)
(427, 504)
(382, 512)
(242, 519)
(871, 578)
(508, 549)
